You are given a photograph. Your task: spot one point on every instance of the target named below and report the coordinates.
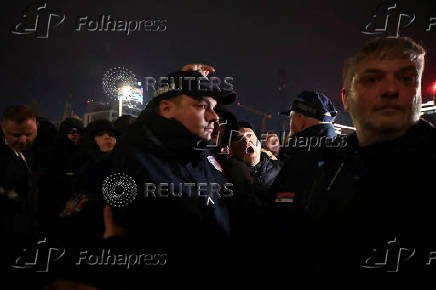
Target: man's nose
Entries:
(211, 116)
(22, 139)
(390, 87)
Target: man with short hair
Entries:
(263, 168)
(17, 191)
(178, 210)
(311, 116)
(19, 127)
(360, 212)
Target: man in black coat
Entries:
(18, 192)
(361, 216)
(173, 189)
(311, 116)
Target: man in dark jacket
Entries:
(18, 192)
(172, 201)
(311, 116)
(263, 168)
(364, 213)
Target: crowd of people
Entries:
(214, 203)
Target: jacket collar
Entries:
(413, 136)
(323, 129)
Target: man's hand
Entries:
(204, 69)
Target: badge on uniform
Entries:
(285, 197)
(215, 163)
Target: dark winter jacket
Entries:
(263, 174)
(346, 207)
(311, 139)
(191, 228)
(18, 225)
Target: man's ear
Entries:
(344, 97)
(165, 108)
(303, 122)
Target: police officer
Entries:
(311, 116)
(177, 209)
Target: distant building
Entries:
(132, 105)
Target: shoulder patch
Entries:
(285, 197)
(215, 163)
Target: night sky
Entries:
(247, 40)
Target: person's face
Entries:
(385, 96)
(106, 141)
(246, 147)
(74, 135)
(198, 116)
(296, 122)
(272, 144)
(20, 136)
